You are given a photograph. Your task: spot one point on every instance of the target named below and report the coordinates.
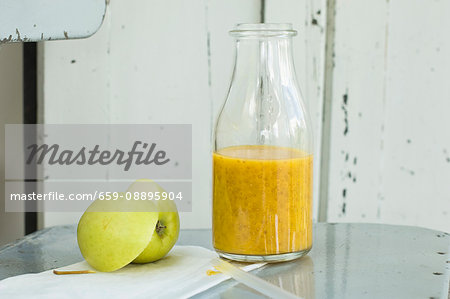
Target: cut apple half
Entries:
(112, 234)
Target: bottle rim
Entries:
(263, 30)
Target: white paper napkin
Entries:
(181, 274)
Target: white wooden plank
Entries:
(389, 137)
(357, 110)
(416, 160)
(309, 19)
(74, 88)
(159, 74)
(221, 44)
(152, 62)
(75, 79)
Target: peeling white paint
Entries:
(392, 61)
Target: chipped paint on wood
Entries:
(32, 20)
(389, 114)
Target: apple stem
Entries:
(160, 228)
(62, 272)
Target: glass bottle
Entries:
(262, 159)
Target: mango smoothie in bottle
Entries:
(262, 200)
(262, 158)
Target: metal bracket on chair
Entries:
(42, 20)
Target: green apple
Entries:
(110, 238)
(112, 234)
(167, 228)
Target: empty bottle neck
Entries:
(267, 60)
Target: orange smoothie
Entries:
(262, 200)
